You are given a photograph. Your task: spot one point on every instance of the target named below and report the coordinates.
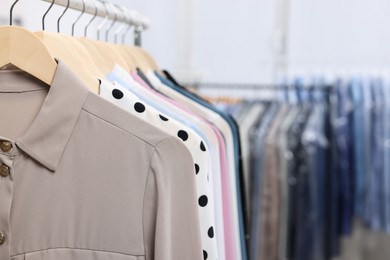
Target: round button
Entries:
(4, 170)
(2, 238)
(5, 146)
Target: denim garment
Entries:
(314, 144)
(305, 216)
(300, 91)
(285, 156)
(368, 107)
(332, 242)
(344, 171)
(375, 189)
(322, 169)
(349, 107)
(386, 153)
(295, 149)
(320, 220)
(379, 162)
(328, 241)
(358, 151)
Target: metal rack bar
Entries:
(130, 18)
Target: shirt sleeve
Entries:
(171, 218)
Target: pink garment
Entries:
(226, 205)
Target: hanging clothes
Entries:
(90, 181)
(124, 98)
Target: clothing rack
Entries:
(109, 11)
(277, 87)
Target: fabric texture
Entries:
(211, 136)
(89, 179)
(230, 132)
(270, 192)
(122, 97)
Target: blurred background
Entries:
(252, 43)
(247, 41)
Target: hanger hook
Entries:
(104, 20)
(11, 12)
(59, 18)
(113, 22)
(90, 21)
(123, 11)
(78, 18)
(45, 14)
(138, 30)
(129, 25)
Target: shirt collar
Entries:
(46, 138)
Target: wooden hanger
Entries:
(129, 59)
(110, 55)
(140, 60)
(149, 58)
(64, 51)
(61, 49)
(26, 51)
(116, 53)
(101, 57)
(97, 68)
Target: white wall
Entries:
(233, 41)
(343, 35)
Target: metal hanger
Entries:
(115, 52)
(45, 14)
(111, 56)
(122, 27)
(11, 12)
(91, 50)
(62, 15)
(113, 22)
(129, 57)
(100, 26)
(78, 18)
(82, 52)
(125, 33)
(90, 21)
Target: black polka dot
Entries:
(182, 135)
(140, 108)
(197, 168)
(202, 147)
(210, 232)
(116, 93)
(205, 255)
(203, 200)
(163, 118)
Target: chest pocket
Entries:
(77, 254)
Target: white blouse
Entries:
(123, 98)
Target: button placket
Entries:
(6, 193)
